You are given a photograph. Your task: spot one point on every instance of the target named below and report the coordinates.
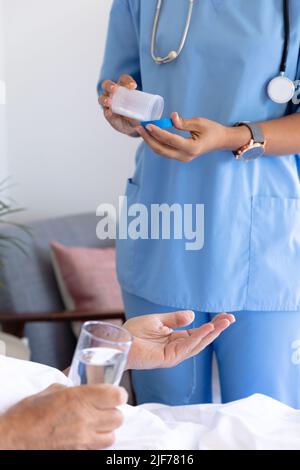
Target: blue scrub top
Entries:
(251, 254)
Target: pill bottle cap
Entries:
(162, 123)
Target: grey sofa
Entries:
(30, 294)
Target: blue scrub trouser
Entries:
(260, 353)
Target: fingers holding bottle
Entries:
(120, 123)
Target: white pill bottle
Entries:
(137, 105)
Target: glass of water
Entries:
(101, 354)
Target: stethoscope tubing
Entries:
(280, 88)
(287, 35)
(173, 55)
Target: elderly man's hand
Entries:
(156, 345)
(60, 418)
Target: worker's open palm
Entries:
(157, 345)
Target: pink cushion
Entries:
(87, 277)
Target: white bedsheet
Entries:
(257, 422)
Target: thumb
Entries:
(177, 319)
(183, 124)
(128, 82)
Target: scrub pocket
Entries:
(274, 266)
(125, 246)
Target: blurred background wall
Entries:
(3, 153)
(62, 156)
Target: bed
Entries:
(256, 422)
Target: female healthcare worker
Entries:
(250, 262)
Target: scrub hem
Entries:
(208, 307)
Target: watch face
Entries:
(253, 153)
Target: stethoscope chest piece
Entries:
(281, 89)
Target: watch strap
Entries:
(256, 131)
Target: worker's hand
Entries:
(61, 418)
(205, 136)
(122, 124)
(156, 345)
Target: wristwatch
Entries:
(256, 147)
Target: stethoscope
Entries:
(280, 89)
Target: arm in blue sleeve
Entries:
(122, 45)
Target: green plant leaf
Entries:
(7, 208)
